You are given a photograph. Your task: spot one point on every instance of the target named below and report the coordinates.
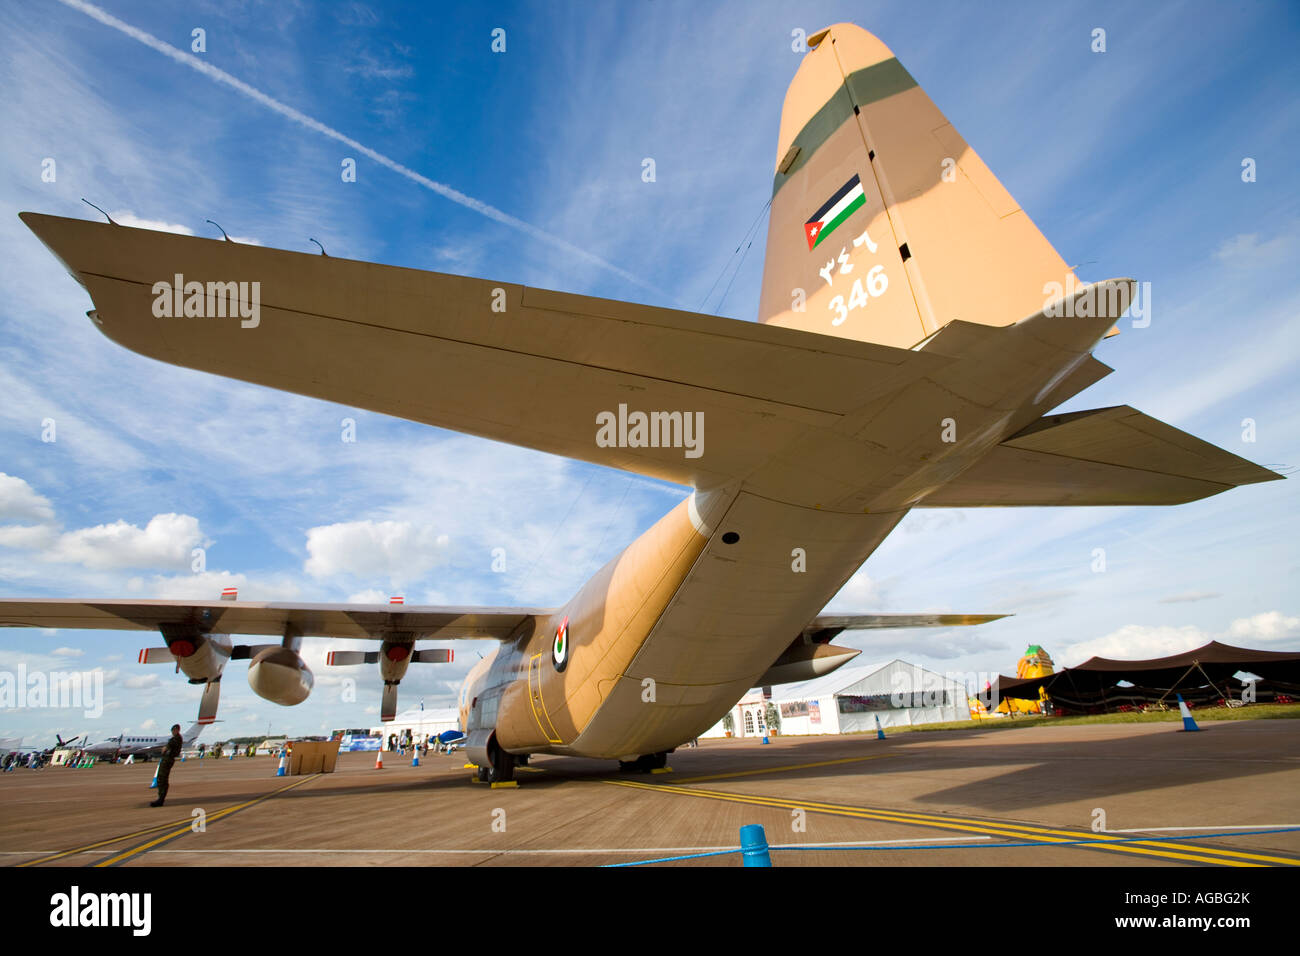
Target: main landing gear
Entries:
(644, 764)
(502, 768)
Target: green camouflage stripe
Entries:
(864, 87)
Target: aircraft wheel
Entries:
(503, 765)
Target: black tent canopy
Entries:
(1202, 674)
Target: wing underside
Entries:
(374, 622)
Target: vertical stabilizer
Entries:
(885, 224)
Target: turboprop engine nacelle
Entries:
(200, 657)
(279, 675)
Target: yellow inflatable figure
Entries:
(1036, 663)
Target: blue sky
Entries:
(1128, 160)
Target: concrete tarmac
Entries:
(1092, 795)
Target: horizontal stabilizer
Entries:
(1106, 456)
(566, 374)
(863, 622)
(811, 654)
(804, 662)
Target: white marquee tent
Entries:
(849, 700)
(421, 723)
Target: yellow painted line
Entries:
(102, 843)
(187, 828)
(906, 816)
(795, 766)
(1198, 854)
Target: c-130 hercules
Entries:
(906, 357)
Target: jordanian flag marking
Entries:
(847, 200)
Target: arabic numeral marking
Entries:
(858, 297)
(837, 304)
(875, 285)
(877, 281)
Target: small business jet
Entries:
(144, 747)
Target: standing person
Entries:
(171, 751)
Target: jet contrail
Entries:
(469, 202)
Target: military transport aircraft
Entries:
(916, 331)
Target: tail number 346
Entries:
(873, 286)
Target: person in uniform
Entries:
(171, 750)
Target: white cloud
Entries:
(1245, 250)
(208, 585)
(1190, 596)
(18, 501)
(127, 218)
(399, 550)
(27, 537)
(1263, 628)
(1139, 641)
(166, 541)
(67, 652)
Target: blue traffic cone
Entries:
(880, 731)
(415, 756)
(154, 784)
(1188, 723)
(279, 772)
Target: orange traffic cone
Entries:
(379, 759)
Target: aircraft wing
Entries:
(1105, 456)
(374, 621)
(515, 364)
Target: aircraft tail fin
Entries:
(885, 224)
(192, 734)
